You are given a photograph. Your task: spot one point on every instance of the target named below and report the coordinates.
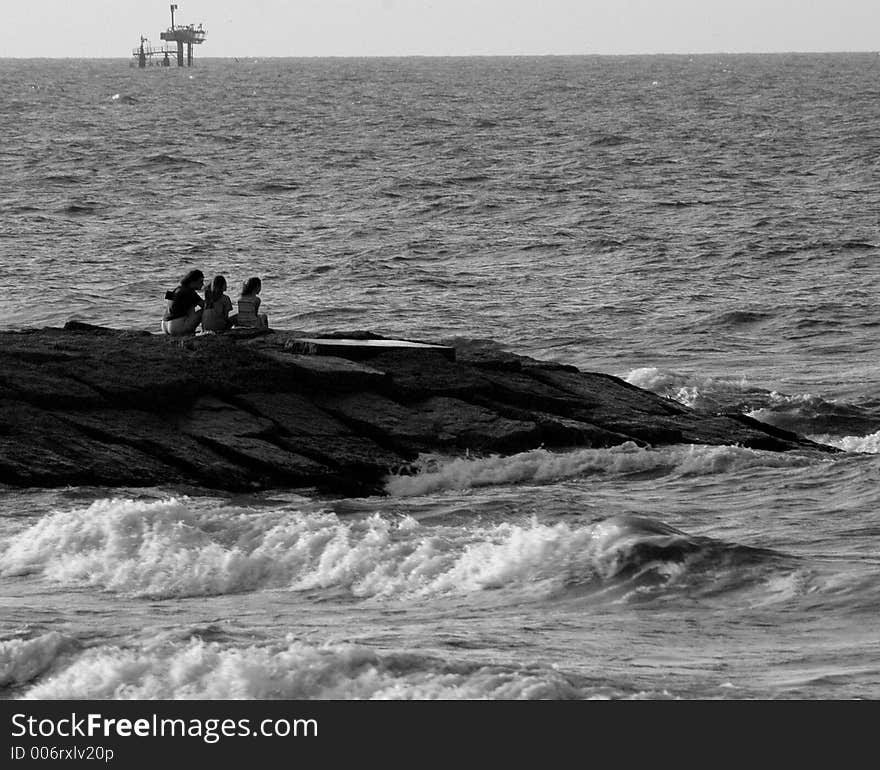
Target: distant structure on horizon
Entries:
(188, 35)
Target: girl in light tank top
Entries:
(249, 306)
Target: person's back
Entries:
(215, 318)
(181, 300)
(249, 305)
(182, 311)
(247, 310)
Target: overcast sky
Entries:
(111, 28)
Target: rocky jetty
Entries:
(87, 405)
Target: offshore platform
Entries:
(188, 35)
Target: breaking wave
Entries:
(172, 549)
(22, 660)
(865, 444)
(540, 466)
(806, 413)
(693, 391)
(196, 669)
(799, 413)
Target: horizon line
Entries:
(464, 56)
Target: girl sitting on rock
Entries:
(249, 306)
(183, 313)
(218, 306)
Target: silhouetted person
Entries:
(184, 312)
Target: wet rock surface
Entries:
(87, 405)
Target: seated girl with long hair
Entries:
(218, 306)
(249, 305)
(183, 312)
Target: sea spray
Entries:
(22, 660)
(196, 669)
(692, 390)
(803, 413)
(864, 444)
(172, 548)
(541, 466)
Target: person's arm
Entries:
(256, 304)
(227, 307)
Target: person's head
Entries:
(251, 286)
(218, 286)
(194, 279)
(214, 290)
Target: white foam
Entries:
(654, 378)
(291, 670)
(688, 389)
(788, 412)
(540, 466)
(169, 548)
(22, 660)
(865, 444)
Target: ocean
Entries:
(705, 227)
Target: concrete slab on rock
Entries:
(359, 350)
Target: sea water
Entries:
(705, 227)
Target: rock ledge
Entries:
(88, 405)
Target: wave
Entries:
(83, 207)
(864, 444)
(680, 204)
(64, 179)
(170, 548)
(273, 187)
(610, 140)
(540, 466)
(695, 391)
(607, 243)
(806, 413)
(292, 670)
(636, 552)
(741, 317)
(161, 548)
(467, 179)
(857, 245)
(803, 413)
(22, 660)
(171, 161)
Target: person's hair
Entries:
(192, 275)
(214, 290)
(251, 286)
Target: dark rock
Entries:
(331, 373)
(560, 432)
(271, 464)
(422, 377)
(79, 326)
(212, 418)
(39, 449)
(157, 436)
(87, 405)
(308, 430)
(435, 423)
(42, 386)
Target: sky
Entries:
(260, 28)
